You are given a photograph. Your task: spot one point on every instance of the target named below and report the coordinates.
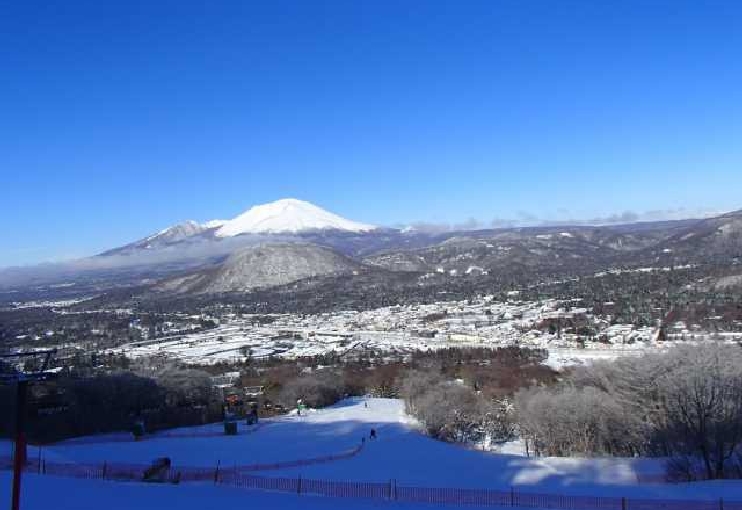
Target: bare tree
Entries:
(318, 389)
(685, 403)
(702, 397)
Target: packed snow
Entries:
(213, 223)
(288, 215)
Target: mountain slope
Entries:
(287, 216)
(166, 237)
(718, 237)
(265, 265)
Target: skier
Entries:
(373, 434)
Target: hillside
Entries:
(264, 265)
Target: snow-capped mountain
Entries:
(163, 238)
(213, 223)
(177, 232)
(287, 216)
(284, 218)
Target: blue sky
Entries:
(120, 118)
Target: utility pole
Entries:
(19, 459)
(21, 379)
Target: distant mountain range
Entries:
(288, 240)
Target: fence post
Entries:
(105, 466)
(390, 489)
(216, 472)
(623, 503)
(512, 496)
(721, 503)
(298, 485)
(43, 469)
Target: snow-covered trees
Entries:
(452, 411)
(572, 421)
(686, 403)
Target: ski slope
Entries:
(400, 453)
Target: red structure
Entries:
(22, 378)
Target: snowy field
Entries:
(400, 453)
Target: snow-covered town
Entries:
(569, 332)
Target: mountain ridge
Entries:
(191, 247)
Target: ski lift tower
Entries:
(20, 368)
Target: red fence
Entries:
(301, 462)
(470, 497)
(167, 434)
(239, 476)
(135, 472)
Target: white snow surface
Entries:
(287, 215)
(180, 231)
(401, 453)
(213, 223)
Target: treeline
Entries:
(458, 395)
(71, 407)
(685, 404)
